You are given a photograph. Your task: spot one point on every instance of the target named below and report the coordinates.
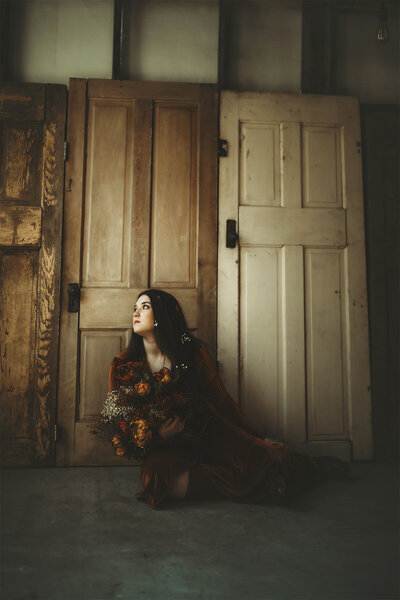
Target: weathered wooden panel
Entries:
(295, 226)
(20, 226)
(260, 326)
(108, 202)
(22, 103)
(18, 294)
(98, 348)
(72, 246)
(325, 344)
(141, 201)
(290, 155)
(322, 172)
(259, 164)
(112, 309)
(20, 163)
(49, 272)
(33, 125)
(174, 203)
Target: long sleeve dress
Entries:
(227, 458)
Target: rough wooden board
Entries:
(49, 274)
(18, 296)
(20, 226)
(208, 217)
(22, 103)
(143, 117)
(21, 151)
(67, 379)
(106, 88)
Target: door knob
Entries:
(231, 235)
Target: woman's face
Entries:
(143, 318)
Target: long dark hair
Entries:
(172, 334)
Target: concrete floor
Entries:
(78, 534)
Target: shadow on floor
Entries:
(79, 534)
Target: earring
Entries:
(185, 338)
(155, 324)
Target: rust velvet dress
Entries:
(227, 458)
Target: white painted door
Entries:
(292, 304)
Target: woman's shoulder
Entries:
(202, 356)
(121, 358)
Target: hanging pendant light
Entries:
(382, 32)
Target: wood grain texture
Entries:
(141, 205)
(112, 309)
(20, 226)
(18, 295)
(33, 124)
(108, 194)
(20, 161)
(22, 103)
(74, 186)
(274, 226)
(49, 274)
(145, 90)
(174, 196)
(208, 218)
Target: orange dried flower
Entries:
(142, 388)
(163, 376)
(141, 432)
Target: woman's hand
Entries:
(171, 427)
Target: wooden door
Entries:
(140, 211)
(32, 128)
(292, 303)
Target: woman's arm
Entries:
(216, 395)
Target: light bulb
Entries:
(382, 32)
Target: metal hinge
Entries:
(66, 151)
(222, 148)
(55, 432)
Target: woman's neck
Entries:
(156, 359)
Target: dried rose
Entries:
(142, 388)
(141, 432)
(163, 376)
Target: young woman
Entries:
(224, 456)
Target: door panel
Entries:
(292, 326)
(174, 198)
(326, 344)
(321, 161)
(261, 385)
(141, 183)
(96, 347)
(108, 198)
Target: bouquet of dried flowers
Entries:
(133, 412)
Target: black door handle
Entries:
(231, 235)
(74, 294)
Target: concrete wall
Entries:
(171, 41)
(51, 41)
(177, 40)
(265, 46)
(364, 68)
